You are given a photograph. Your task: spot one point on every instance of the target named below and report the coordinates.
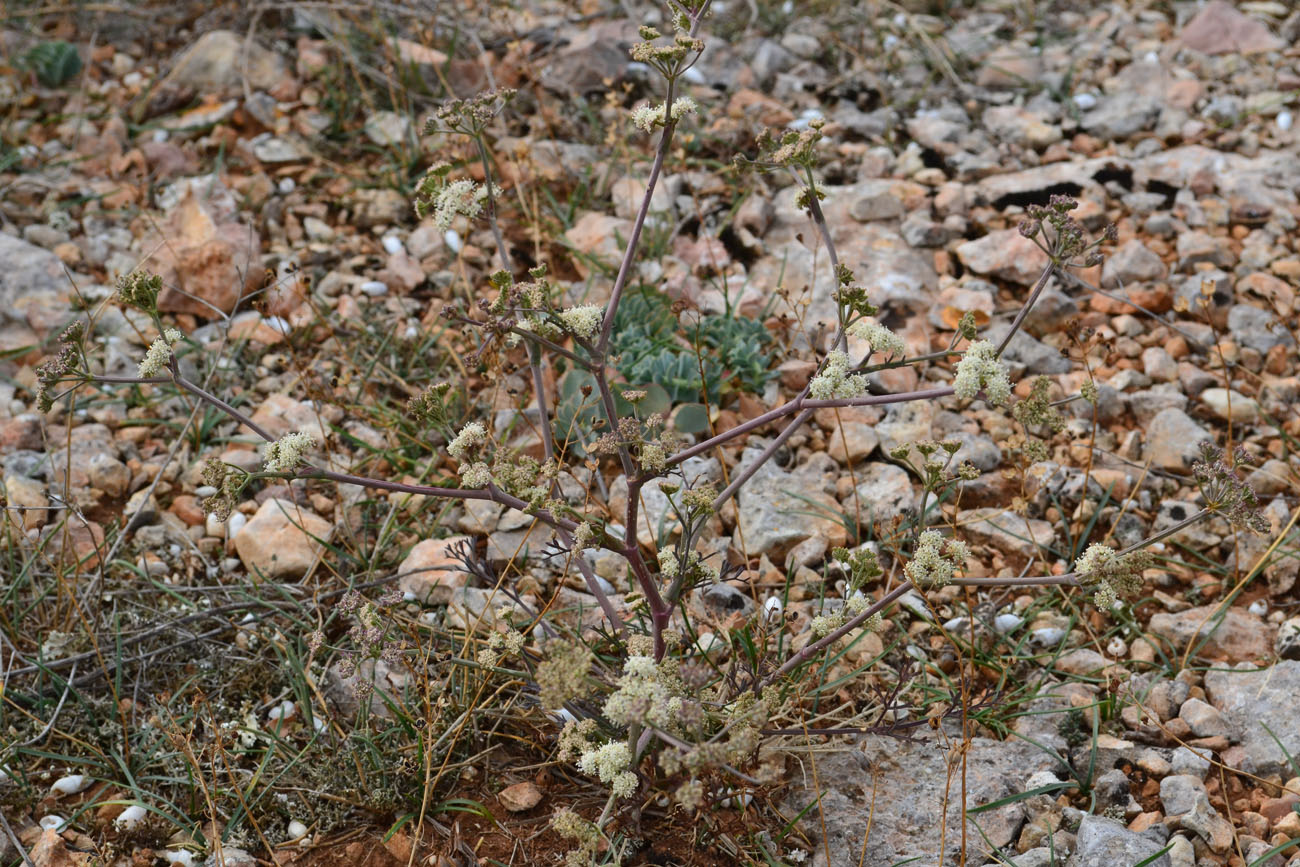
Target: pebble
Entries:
(373, 288)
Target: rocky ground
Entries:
(240, 153)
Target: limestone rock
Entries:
(282, 541)
(432, 572)
(1230, 635)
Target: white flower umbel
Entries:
(285, 453)
(470, 436)
(643, 696)
(879, 338)
(609, 764)
(647, 117)
(935, 560)
(835, 382)
(458, 197)
(160, 352)
(476, 475)
(583, 321)
(980, 368)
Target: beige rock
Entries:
(27, 495)
(597, 236)
(206, 257)
(432, 572)
(1005, 254)
(1006, 531)
(282, 540)
(220, 62)
(1236, 637)
(520, 797)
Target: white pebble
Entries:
(1151, 57)
(286, 186)
(206, 491)
(318, 724)
(787, 8)
(182, 857)
(277, 323)
(130, 818)
(1259, 608)
(297, 830)
(693, 75)
(1047, 636)
(1284, 120)
(53, 822)
(1117, 647)
(71, 784)
(374, 288)
(1005, 623)
(235, 523)
(561, 716)
(957, 624)
(1085, 101)
(772, 608)
(452, 240)
(161, 135)
(408, 596)
(392, 244)
(283, 710)
(604, 585)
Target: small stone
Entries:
(388, 128)
(520, 797)
(884, 492)
(1204, 719)
(431, 572)
(1104, 842)
(1173, 439)
(1219, 28)
(1005, 254)
(1287, 641)
(282, 541)
(1133, 262)
(1230, 405)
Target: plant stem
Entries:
(811, 650)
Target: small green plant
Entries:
(53, 63)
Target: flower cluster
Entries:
(285, 453)
(469, 116)
(139, 289)
(647, 117)
(370, 634)
(936, 560)
(1226, 492)
(647, 692)
(69, 358)
(608, 762)
(228, 481)
(584, 320)
(981, 369)
(668, 57)
(445, 199)
(471, 436)
(160, 352)
(879, 338)
(500, 645)
(562, 674)
(835, 381)
(792, 147)
(1068, 240)
(1110, 574)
